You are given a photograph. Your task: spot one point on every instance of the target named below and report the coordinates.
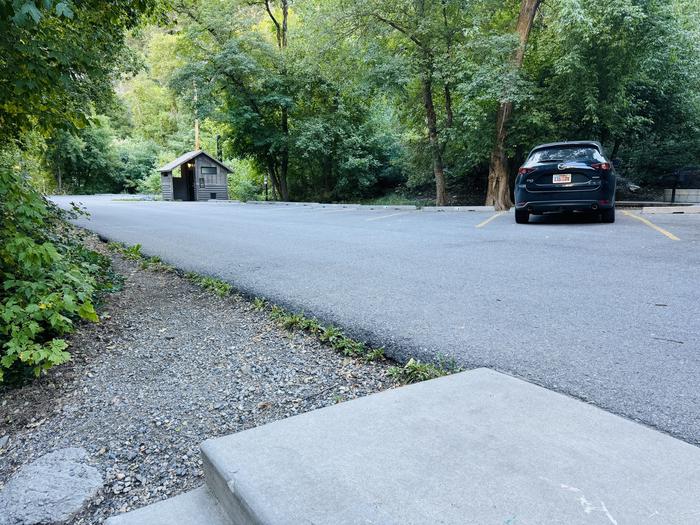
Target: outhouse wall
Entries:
(212, 186)
(166, 186)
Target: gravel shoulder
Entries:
(169, 366)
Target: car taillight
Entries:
(604, 166)
(525, 171)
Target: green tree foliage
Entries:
(85, 161)
(626, 73)
(313, 132)
(137, 161)
(57, 59)
(94, 160)
(340, 100)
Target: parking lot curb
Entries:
(408, 207)
(670, 210)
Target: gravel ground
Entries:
(169, 366)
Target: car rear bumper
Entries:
(558, 206)
(563, 201)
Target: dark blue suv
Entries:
(566, 177)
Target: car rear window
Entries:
(567, 154)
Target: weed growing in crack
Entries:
(277, 313)
(414, 371)
(132, 253)
(330, 335)
(219, 287)
(292, 321)
(310, 325)
(375, 354)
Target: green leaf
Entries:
(87, 311)
(62, 9)
(29, 8)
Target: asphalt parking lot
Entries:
(608, 313)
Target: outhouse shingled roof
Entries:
(189, 156)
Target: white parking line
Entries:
(387, 216)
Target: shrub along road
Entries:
(605, 312)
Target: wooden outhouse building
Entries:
(194, 176)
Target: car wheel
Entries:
(522, 216)
(608, 215)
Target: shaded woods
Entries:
(425, 101)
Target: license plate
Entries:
(562, 178)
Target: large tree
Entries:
(498, 190)
(425, 32)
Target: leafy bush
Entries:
(244, 183)
(49, 279)
(137, 164)
(150, 184)
(86, 159)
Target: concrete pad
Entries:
(671, 209)
(197, 507)
(477, 447)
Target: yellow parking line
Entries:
(387, 216)
(652, 225)
(482, 224)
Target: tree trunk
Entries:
(284, 165)
(284, 168)
(498, 191)
(281, 30)
(273, 178)
(449, 114)
(60, 180)
(435, 147)
(616, 148)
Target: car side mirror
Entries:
(616, 163)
